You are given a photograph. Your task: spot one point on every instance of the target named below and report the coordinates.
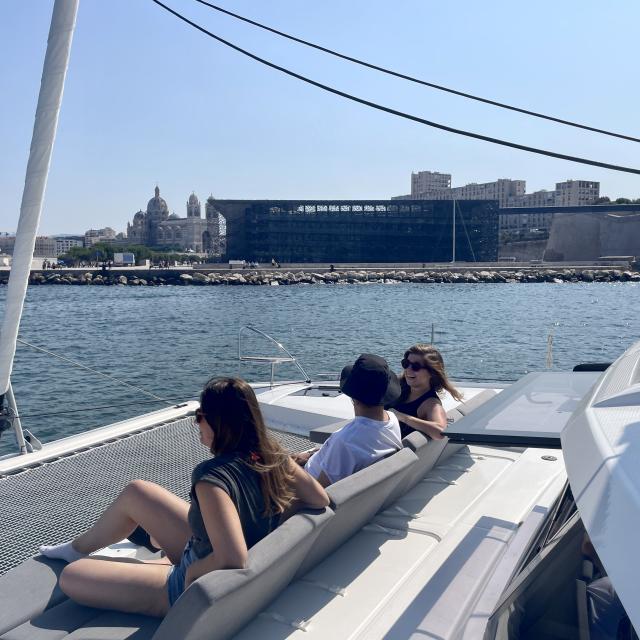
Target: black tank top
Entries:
(411, 409)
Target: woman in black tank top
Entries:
(419, 407)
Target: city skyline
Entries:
(150, 101)
(187, 205)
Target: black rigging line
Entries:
(404, 76)
(93, 408)
(401, 114)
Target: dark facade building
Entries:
(361, 230)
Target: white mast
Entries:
(54, 71)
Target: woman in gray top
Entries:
(237, 497)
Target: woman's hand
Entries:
(303, 457)
(431, 419)
(398, 414)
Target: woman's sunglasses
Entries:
(414, 366)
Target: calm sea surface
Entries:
(170, 340)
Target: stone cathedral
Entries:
(156, 227)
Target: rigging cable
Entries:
(404, 76)
(100, 373)
(401, 114)
(93, 408)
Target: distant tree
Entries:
(623, 201)
(603, 200)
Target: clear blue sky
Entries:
(150, 100)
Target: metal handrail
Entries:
(273, 361)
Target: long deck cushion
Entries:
(28, 590)
(428, 451)
(465, 408)
(56, 623)
(355, 500)
(115, 625)
(221, 602)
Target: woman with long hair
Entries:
(423, 378)
(237, 498)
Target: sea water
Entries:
(170, 340)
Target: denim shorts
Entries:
(177, 573)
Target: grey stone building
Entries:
(156, 227)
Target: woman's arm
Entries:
(431, 420)
(307, 490)
(224, 529)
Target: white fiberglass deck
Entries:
(289, 407)
(418, 569)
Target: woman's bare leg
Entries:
(160, 512)
(131, 587)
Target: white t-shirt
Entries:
(358, 444)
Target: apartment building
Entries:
(64, 243)
(431, 185)
(574, 193)
(93, 236)
(426, 181)
(502, 190)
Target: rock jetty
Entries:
(281, 277)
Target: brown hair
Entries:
(232, 411)
(432, 359)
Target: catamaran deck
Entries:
(432, 559)
(54, 500)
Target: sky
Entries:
(148, 100)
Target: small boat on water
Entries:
(520, 524)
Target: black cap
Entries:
(370, 381)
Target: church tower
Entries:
(194, 209)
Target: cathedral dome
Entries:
(157, 204)
(138, 216)
(193, 199)
(174, 216)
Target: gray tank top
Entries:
(242, 483)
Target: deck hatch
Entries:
(530, 413)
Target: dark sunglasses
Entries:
(414, 366)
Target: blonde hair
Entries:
(432, 359)
(232, 411)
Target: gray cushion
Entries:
(114, 625)
(221, 602)
(428, 452)
(467, 407)
(55, 623)
(321, 434)
(356, 499)
(28, 590)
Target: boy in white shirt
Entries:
(372, 434)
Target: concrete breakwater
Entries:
(282, 277)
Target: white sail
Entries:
(44, 133)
